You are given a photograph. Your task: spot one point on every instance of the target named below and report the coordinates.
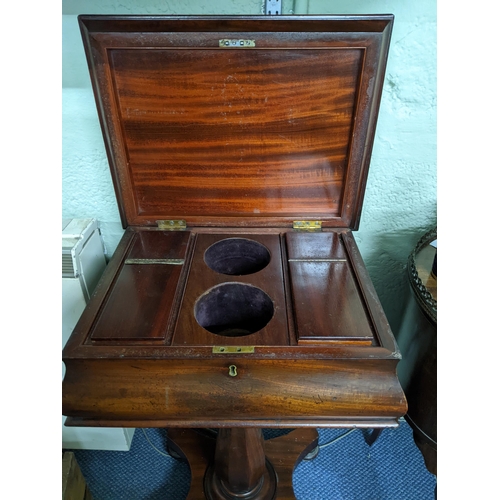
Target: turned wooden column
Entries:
(231, 468)
(240, 469)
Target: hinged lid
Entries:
(238, 121)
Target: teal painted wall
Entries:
(400, 200)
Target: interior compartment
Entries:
(237, 256)
(234, 306)
(141, 301)
(234, 309)
(139, 305)
(326, 301)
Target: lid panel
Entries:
(253, 136)
(236, 132)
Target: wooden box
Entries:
(239, 149)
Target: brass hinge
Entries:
(171, 225)
(307, 225)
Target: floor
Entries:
(347, 469)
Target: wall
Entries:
(400, 200)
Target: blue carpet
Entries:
(391, 469)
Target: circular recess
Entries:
(234, 309)
(237, 256)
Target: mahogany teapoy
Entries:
(237, 298)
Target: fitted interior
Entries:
(237, 256)
(234, 309)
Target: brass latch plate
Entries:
(232, 349)
(232, 43)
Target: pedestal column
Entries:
(239, 464)
(240, 469)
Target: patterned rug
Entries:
(348, 469)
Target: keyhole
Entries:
(232, 371)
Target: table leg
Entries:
(240, 464)
(373, 436)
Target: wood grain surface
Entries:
(202, 393)
(140, 303)
(325, 299)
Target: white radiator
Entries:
(83, 262)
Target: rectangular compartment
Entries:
(326, 302)
(140, 303)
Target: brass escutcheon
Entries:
(232, 371)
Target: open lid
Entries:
(238, 121)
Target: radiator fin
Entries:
(68, 270)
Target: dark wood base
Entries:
(373, 436)
(269, 464)
(429, 452)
